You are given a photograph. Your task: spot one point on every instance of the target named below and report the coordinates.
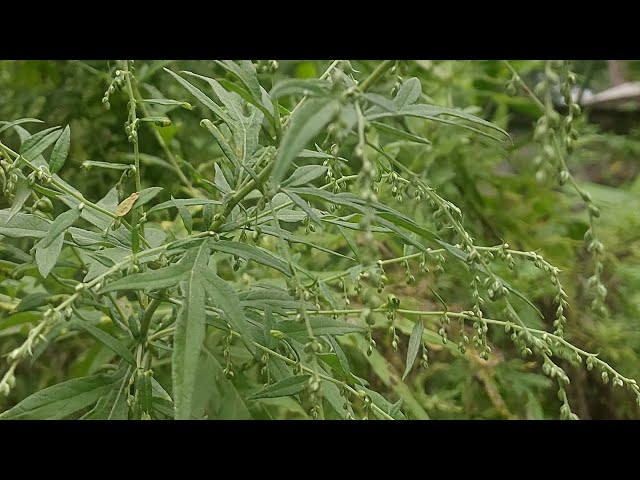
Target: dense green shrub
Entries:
(289, 241)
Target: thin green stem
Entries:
(146, 319)
(164, 146)
(72, 193)
(525, 87)
(375, 75)
(324, 76)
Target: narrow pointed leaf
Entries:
(204, 99)
(299, 87)
(408, 93)
(38, 143)
(20, 196)
(23, 225)
(166, 277)
(415, 340)
(245, 71)
(8, 125)
(166, 102)
(60, 151)
(146, 195)
(283, 388)
(189, 335)
(226, 298)
(112, 406)
(182, 202)
(109, 341)
(59, 226)
(47, 257)
(61, 400)
(403, 134)
(320, 326)
(250, 252)
(304, 175)
(304, 125)
(304, 206)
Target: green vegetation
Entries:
(316, 239)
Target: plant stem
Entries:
(163, 145)
(77, 195)
(375, 75)
(146, 319)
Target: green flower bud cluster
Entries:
(267, 66)
(226, 353)
(8, 177)
(392, 305)
(116, 84)
(8, 381)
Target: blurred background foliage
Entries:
(494, 185)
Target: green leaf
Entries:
(263, 296)
(8, 125)
(60, 151)
(299, 87)
(38, 143)
(145, 395)
(112, 406)
(88, 164)
(23, 190)
(316, 154)
(32, 302)
(20, 319)
(166, 277)
(320, 326)
(389, 377)
(207, 216)
(264, 106)
(196, 92)
(182, 202)
(288, 216)
(332, 394)
(158, 121)
(215, 395)
(385, 216)
(146, 196)
(23, 225)
(304, 175)
(226, 298)
(220, 181)
(245, 71)
(352, 245)
(328, 295)
(189, 335)
(250, 252)
(100, 220)
(291, 238)
(342, 358)
(403, 134)
(59, 227)
(283, 388)
(168, 103)
(408, 94)
(61, 400)
(304, 206)
(110, 342)
(46, 257)
(245, 128)
(307, 122)
(185, 215)
(432, 112)
(415, 340)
